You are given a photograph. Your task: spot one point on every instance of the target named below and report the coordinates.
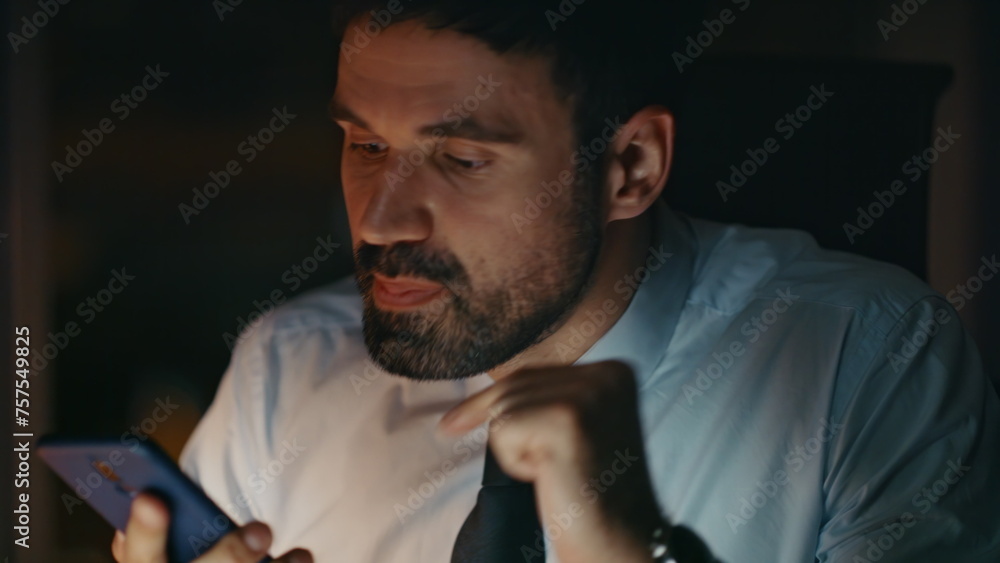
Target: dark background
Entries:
(162, 337)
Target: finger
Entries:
(489, 403)
(538, 434)
(588, 388)
(473, 411)
(146, 531)
(118, 546)
(247, 545)
(295, 556)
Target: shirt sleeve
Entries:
(913, 474)
(221, 452)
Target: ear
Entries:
(640, 163)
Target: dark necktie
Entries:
(503, 521)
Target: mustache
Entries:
(407, 259)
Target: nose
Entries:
(396, 211)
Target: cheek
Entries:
(549, 194)
(519, 197)
(355, 202)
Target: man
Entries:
(642, 370)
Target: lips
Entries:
(402, 293)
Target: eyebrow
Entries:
(339, 112)
(466, 128)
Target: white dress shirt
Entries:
(797, 404)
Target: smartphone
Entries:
(108, 475)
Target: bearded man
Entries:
(538, 360)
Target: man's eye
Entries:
(368, 150)
(467, 164)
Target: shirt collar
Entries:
(642, 334)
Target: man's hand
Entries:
(145, 539)
(574, 431)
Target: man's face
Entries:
(444, 142)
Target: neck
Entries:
(623, 253)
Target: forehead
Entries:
(410, 72)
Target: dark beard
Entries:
(466, 331)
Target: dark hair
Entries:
(610, 57)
